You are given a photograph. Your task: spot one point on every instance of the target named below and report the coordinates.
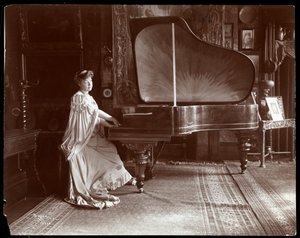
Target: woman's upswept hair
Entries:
(84, 74)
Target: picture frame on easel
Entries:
(275, 108)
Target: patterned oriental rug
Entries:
(198, 199)
(273, 200)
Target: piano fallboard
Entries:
(138, 135)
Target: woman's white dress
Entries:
(95, 166)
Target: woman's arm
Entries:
(104, 115)
(107, 117)
(105, 123)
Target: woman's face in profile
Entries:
(86, 85)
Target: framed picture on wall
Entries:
(50, 27)
(247, 39)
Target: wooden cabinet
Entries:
(21, 177)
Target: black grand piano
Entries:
(185, 85)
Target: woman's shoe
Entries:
(113, 198)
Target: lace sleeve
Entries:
(83, 102)
(78, 104)
(82, 122)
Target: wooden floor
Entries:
(285, 178)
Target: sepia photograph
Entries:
(274, 108)
(149, 120)
(247, 37)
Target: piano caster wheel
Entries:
(140, 186)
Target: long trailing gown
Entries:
(95, 166)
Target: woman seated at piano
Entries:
(95, 166)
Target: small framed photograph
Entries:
(247, 39)
(274, 108)
(228, 30)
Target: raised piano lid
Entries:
(205, 73)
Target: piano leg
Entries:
(142, 154)
(140, 176)
(244, 146)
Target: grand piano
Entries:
(185, 86)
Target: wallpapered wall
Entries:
(206, 21)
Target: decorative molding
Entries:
(124, 87)
(268, 124)
(141, 152)
(24, 30)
